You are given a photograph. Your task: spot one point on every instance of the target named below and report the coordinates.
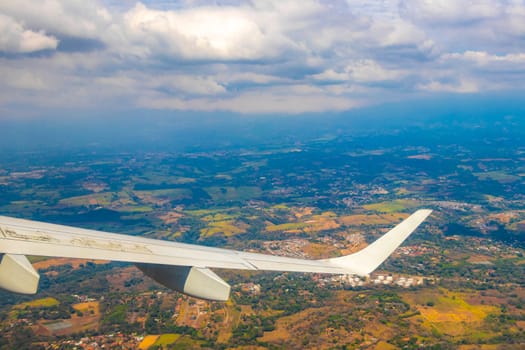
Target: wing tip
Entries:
(424, 212)
(367, 260)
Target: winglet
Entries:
(367, 260)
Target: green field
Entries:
(499, 176)
(225, 194)
(171, 193)
(392, 207)
(286, 227)
(154, 178)
(103, 199)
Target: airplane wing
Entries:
(183, 267)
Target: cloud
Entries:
(362, 71)
(449, 12)
(460, 86)
(264, 102)
(17, 39)
(182, 85)
(73, 18)
(206, 33)
(484, 59)
(255, 56)
(489, 25)
(492, 72)
(21, 79)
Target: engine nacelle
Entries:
(198, 282)
(17, 275)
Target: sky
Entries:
(62, 57)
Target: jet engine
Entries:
(195, 281)
(17, 274)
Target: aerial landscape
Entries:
(458, 280)
(308, 138)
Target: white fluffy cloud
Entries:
(255, 56)
(17, 39)
(206, 33)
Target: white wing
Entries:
(25, 237)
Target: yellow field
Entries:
(323, 222)
(384, 346)
(166, 339)
(301, 212)
(309, 223)
(148, 341)
(447, 312)
(87, 307)
(486, 347)
(45, 302)
(320, 251)
(220, 222)
(227, 227)
(371, 219)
